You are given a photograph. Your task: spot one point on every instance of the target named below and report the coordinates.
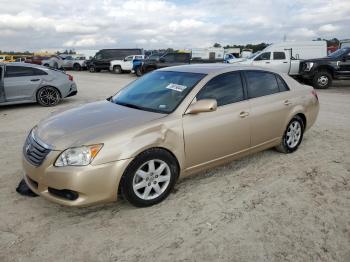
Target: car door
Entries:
(263, 60)
(2, 90)
(219, 134)
(166, 60)
(270, 104)
(127, 63)
(20, 82)
(68, 62)
(344, 66)
(102, 60)
(279, 62)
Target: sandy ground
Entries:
(266, 207)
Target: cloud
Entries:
(302, 33)
(89, 41)
(328, 28)
(164, 23)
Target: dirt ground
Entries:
(266, 207)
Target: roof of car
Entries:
(23, 64)
(211, 68)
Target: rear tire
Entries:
(48, 96)
(149, 178)
(293, 136)
(322, 80)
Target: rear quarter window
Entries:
(260, 83)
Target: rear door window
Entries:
(261, 83)
(279, 56)
(225, 89)
(20, 71)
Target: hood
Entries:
(90, 124)
(315, 60)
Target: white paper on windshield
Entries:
(176, 87)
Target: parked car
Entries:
(166, 60)
(124, 65)
(28, 83)
(322, 71)
(36, 59)
(103, 58)
(55, 62)
(7, 58)
(141, 140)
(75, 62)
(286, 57)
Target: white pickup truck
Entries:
(119, 66)
(280, 61)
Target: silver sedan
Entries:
(29, 83)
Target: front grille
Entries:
(35, 152)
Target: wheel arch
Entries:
(145, 150)
(327, 68)
(36, 92)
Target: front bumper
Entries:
(91, 184)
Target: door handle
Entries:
(287, 102)
(35, 80)
(243, 114)
(285, 62)
(267, 62)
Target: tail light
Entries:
(313, 92)
(70, 77)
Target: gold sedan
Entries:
(168, 124)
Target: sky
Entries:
(36, 25)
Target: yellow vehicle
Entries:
(7, 58)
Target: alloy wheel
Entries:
(293, 134)
(48, 96)
(151, 179)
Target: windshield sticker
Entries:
(178, 88)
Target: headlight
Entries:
(309, 65)
(78, 156)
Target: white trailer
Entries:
(210, 53)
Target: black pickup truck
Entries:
(322, 71)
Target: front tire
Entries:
(117, 69)
(322, 80)
(138, 71)
(76, 67)
(48, 96)
(293, 136)
(149, 178)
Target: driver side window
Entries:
(263, 56)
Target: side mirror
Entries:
(201, 106)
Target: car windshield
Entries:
(339, 52)
(159, 91)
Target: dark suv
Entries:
(322, 71)
(168, 59)
(103, 58)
